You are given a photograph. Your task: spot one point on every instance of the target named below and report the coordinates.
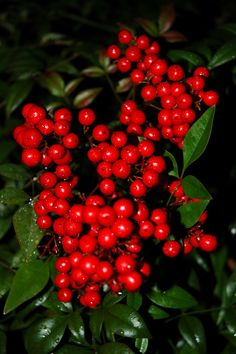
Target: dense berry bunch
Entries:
(178, 98)
(101, 235)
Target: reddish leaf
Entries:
(166, 18)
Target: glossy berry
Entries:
(113, 51)
(64, 295)
(86, 116)
(125, 36)
(171, 248)
(208, 242)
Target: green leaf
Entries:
(134, 300)
(166, 18)
(3, 343)
(230, 290)
(27, 231)
(185, 55)
(73, 349)
(157, 313)
(124, 321)
(14, 172)
(114, 348)
(142, 344)
(54, 304)
(112, 298)
(72, 85)
(175, 297)
(45, 335)
(194, 188)
(5, 224)
(53, 82)
(86, 97)
(190, 212)
(186, 349)
(76, 326)
(223, 55)
(6, 276)
(28, 281)
(197, 138)
(18, 92)
(230, 27)
(124, 85)
(175, 171)
(96, 321)
(149, 26)
(93, 71)
(230, 320)
(13, 196)
(193, 332)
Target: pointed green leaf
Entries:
(124, 321)
(190, 212)
(230, 320)
(93, 71)
(55, 305)
(134, 300)
(185, 55)
(114, 348)
(124, 85)
(96, 321)
(86, 97)
(45, 335)
(142, 344)
(230, 27)
(17, 93)
(157, 313)
(13, 196)
(53, 82)
(193, 188)
(27, 231)
(175, 171)
(72, 85)
(193, 332)
(5, 224)
(149, 26)
(197, 138)
(76, 326)
(28, 281)
(223, 55)
(166, 18)
(6, 276)
(14, 172)
(175, 297)
(112, 298)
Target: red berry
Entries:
(133, 53)
(123, 65)
(132, 281)
(125, 36)
(31, 157)
(171, 248)
(162, 231)
(175, 72)
(137, 189)
(101, 132)
(208, 242)
(210, 98)
(159, 67)
(125, 264)
(137, 76)
(106, 238)
(62, 114)
(123, 207)
(107, 186)
(148, 92)
(86, 116)
(44, 222)
(62, 280)
(113, 51)
(62, 265)
(142, 42)
(64, 295)
(123, 228)
(47, 180)
(70, 141)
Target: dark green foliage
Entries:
(53, 54)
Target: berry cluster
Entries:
(101, 234)
(177, 97)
